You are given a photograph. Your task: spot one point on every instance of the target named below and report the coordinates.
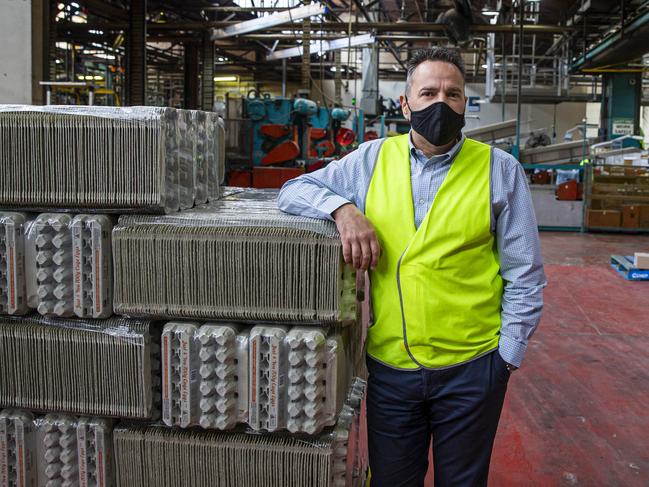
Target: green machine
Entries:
(620, 112)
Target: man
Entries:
(446, 228)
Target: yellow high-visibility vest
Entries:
(437, 291)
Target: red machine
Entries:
(240, 178)
(345, 137)
(274, 131)
(570, 191)
(283, 152)
(274, 177)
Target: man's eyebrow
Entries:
(429, 88)
(454, 89)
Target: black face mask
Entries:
(438, 123)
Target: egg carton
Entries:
(268, 378)
(57, 457)
(17, 449)
(186, 159)
(49, 265)
(89, 367)
(13, 298)
(178, 373)
(223, 388)
(341, 460)
(156, 456)
(234, 259)
(69, 265)
(92, 266)
(200, 147)
(123, 159)
(95, 456)
(350, 463)
(315, 375)
(215, 154)
(220, 150)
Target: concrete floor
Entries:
(577, 413)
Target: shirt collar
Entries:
(444, 158)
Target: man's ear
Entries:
(404, 107)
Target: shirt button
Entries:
(421, 202)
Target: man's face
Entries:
(434, 81)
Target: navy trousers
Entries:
(458, 407)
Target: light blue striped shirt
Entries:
(320, 193)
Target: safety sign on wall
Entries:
(622, 126)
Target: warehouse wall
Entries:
(15, 51)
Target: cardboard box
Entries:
(641, 260)
(634, 171)
(569, 191)
(541, 178)
(630, 216)
(644, 216)
(604, 218)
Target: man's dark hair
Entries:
(433, 54)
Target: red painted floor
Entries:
(577, 413)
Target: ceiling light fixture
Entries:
(223, 79)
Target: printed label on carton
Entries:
(21, 468)
(100, 456)
(97, 265)
(82, 455)
(4, 453)
(166, 379)
(77, 276)
(242, 385)
(185, 393)
(254, 377)
(331, 378)
(274, 386)
(12, 279)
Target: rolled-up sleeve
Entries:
(521, 264)
(320, 193)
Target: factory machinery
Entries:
(289, 136)
(158, 329)
(579, 185)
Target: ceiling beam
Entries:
(325, 26)
(104, 9)
(262, 23)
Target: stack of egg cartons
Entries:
(66, 363)
(233, 318)
(280, 366)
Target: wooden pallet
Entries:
(623, 265)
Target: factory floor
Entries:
(577, 413)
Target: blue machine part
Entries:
(278, 111)
(255, 109)
(340, 114)
(302, 106)
(264, 111)
(320, 119)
